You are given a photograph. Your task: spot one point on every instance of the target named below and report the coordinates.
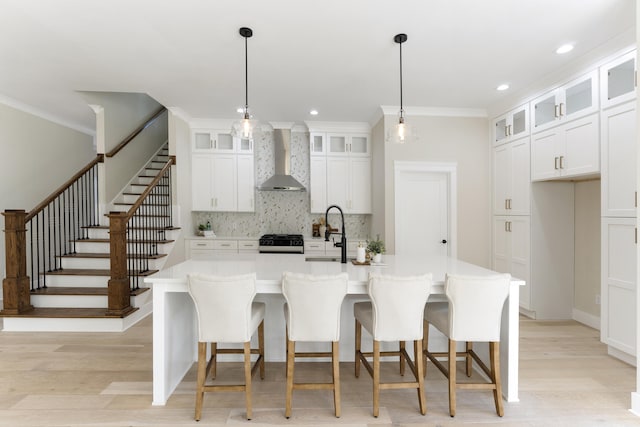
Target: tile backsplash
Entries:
(279, 211)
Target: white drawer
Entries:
(226, 245)
(314, 246)
(248, 245)
(201, 244)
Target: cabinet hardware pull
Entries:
(635, 78)
(556, 111)
(510, 130)
(201, 244)
(509, 226)
(635, 203)
(636, 235)
(506, 226)
(555, 163)
(506, 204)
(561, 162)
(509, 204)
(562, 109)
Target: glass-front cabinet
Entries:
(339, 144)
(575, 99)
(512, 125)
(618, 80)
(220, 141)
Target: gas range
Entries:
(281, 243)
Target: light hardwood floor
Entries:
(104, 379)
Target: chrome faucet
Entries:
(343, 240)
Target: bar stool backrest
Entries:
(475, 306)
(223, 306)
(314, 305)
(398, 305)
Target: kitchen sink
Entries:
(325, 258)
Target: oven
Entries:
(281, 244)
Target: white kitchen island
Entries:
(175, 328)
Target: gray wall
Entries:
(38, 156)
(461, 140)
(587, 246)
(122, 114)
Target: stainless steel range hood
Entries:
(282, 180)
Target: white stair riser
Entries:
(103, 233)
(75, 281)
(85, 301)
(146, 180)
(101, 263)
(99, 247)
(158, 164)
(132, 198)
(33, 324)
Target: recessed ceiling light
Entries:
(564, 49)
(502, 87)
(313, 112)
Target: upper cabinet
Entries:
(618, 80)
(219, 141)
(340, 169)
(339, 144)
(575, 99)
(511, 126)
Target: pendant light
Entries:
(400, 132)
(246, 125)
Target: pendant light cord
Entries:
(246, 76)
(401, 105)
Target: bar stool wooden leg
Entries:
(425, 345)
(261, 348)
(291, 349)
(358, 342)
(214, 360)
(467, 357)
(452, 378)
(417, 351)
(335, 351)
(376, 378)
(247, 377)
(202, 374)
(401, 349)
(494, 349)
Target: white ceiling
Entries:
(337, 56)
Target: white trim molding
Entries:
(392, 110)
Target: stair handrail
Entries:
(133, 237)
(56, 223)
(136, 132)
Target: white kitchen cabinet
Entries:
(318, 184)
(321, 247)
(539, 249)
(618, 293)
(511, 243)
(222, 183)
(511, 178)
(199, 248)
(340, 171)
(618, 80)
(245, 184)
(349, 183)
(619, 162)
(340, 144)
(215, 140)
(317, 144)
(575, 99)
(566, 151)
(511, 126)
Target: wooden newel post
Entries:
(15, 287)
(119, 290)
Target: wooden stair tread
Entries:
(93, 272)
(80, 290)
(106, 255)
(128, 241)
(75, 313)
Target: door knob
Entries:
(444, 241)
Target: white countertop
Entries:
(269, 268)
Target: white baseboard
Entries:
(586, 319)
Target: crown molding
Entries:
(319, 126)
(388, 110)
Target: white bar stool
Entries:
(312, 313)
(226, 313)
(395, 313)
(473, 313)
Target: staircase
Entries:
(74, 296)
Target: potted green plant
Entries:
(376, 249)
(205, 230)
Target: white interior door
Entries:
(424, 209)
